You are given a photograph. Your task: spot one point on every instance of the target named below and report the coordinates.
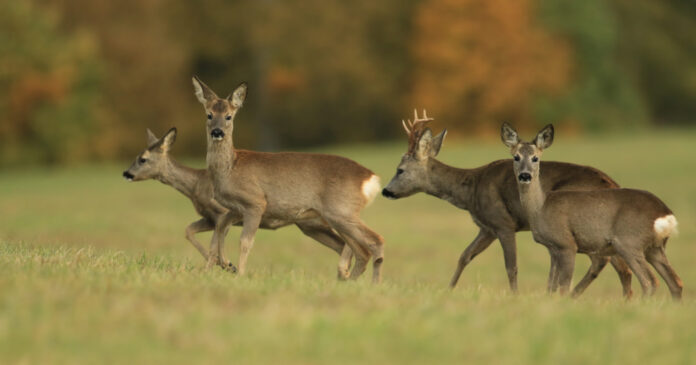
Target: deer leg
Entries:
(507, 241)
(366, 241)
(654, 282)
(216, 256)
(323, 234)
(598, 263)
(565, 267)
(636, 261)
(198, 226)
(246, 242)
(552, 283)
(658, 259)
(480, 243)
(624, 273)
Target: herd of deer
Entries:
(569, 208)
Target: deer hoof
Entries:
(231, 268)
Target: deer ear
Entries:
(437, 143)
(238, 96)
(202, 91)
(508, 135)
(168, 139)
(544, 138)
(424, 143)
(151, 138)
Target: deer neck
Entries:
(532, 199)
(450, 183)
(180, 177)
(220, 158)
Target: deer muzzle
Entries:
(128, 176)
(525, 177)
(217, 134)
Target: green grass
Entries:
(96, 270)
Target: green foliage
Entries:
(601, 95)
(49, 87)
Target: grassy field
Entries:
(96, 270)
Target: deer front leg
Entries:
(565, 267)
(552, 283)
(216, 257)
(598, 263)
(507, 241)
(252, 220)
(201, 225)
(480, 243)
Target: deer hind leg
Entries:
(480, 243)
(624, 273)
(364, 243)
(658, 259)
(323, 234)
(598, 263)
(636, 261)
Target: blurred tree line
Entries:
(82, 79)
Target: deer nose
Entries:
(525, 177)
(388, 194)
(128, 175)
(217, 133)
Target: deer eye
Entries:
(535, 159)
(142, 160)
(210, 115)
(229, 117)
(517, 157)
(399, 171)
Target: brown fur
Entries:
(197, 185)
(607, 222)
(490, 195)
(285, 188)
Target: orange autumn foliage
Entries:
(482, 62)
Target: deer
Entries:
(286, 187)
(155, 162)
(489, 193)
(633, 224)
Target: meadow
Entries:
(95, 269)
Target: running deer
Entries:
(286, 188)
(156, 163)
(633, 224)
(490, 195)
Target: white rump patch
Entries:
(665, 226)
(370, 188)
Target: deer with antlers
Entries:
(490, 195)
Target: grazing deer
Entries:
(285, 188)
(490, 195)
(633, 224)
(155, 162)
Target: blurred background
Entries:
(80, 80)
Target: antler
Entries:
(416, 120)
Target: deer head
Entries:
(152, 162)
(526, 155)
(412, 172)
(220, 112)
